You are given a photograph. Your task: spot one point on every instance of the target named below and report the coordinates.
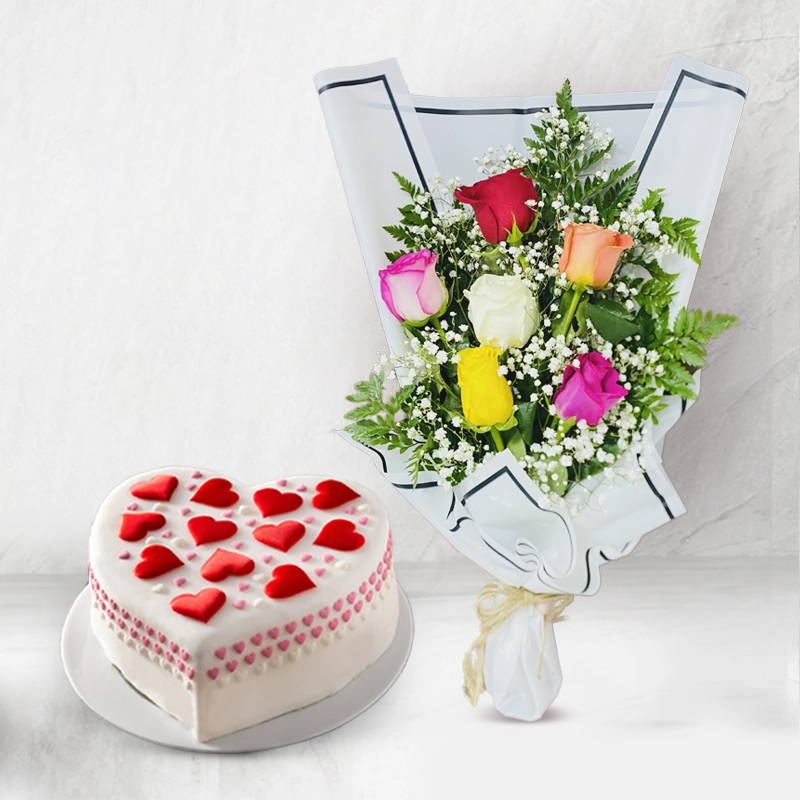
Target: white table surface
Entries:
(680, 680)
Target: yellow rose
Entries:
(591, 253)
(485, 396)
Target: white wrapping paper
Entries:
(511, 672)
(680, 138)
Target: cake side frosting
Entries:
(252, 600)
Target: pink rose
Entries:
(411, 289)
(589, 390)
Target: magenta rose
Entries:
(411, 289)
(589, 390)
(499, 202)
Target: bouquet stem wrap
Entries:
(514, 624)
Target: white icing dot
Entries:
(258, 577)
(160, 507)
(342, 565)
(260, 602)
(159, 588)
(223, 681)
(295, 654)
(180, 542)
(245, 511)
(261, 667)
(310, 647)
(241, 674)
(363, 508)
(152, 540)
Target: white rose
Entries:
(502, 310)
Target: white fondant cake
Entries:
(229, 605)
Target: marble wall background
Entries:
(181, 282)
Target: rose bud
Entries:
(499, 202)
(485, 396)
(411, 289)
(502, 310)
(588, 391)
(591, 253)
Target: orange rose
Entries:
(591, 253)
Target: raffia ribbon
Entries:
(492, 615)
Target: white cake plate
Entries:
(101, 686)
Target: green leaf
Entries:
(680, 324)
(406, 185)
(517, 446)
(612, 320)
(526, 418)
(564, 97)
(514, 237)
(510, 423)
(396, 232)
(653, 201)
(678, 389)
(618, 195)
(715, 324)
(682, 235)
(358, 397)
(690, 357)
(362, 412)
(376, 384)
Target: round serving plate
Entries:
(103, 688)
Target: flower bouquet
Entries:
(540, 343)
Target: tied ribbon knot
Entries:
(492, 615)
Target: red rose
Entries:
(499, 202)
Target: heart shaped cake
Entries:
(228, 605)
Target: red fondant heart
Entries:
(156, 560)
(287, 581)
(216, 492)
(133, 527)
(159, 487)
(331, 494)
(224, 563)
(340, 534)
(205, 530)
(282, 536)
(271, 502)
(201, 606)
